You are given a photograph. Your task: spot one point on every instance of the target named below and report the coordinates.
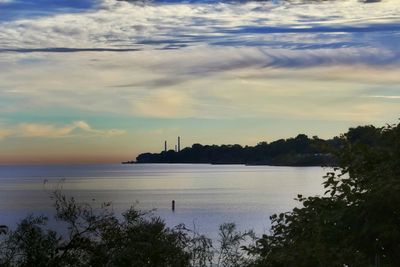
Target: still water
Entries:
(205, 195)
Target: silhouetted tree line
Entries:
(356, 223)
(298, 151)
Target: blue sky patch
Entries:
(22, 9)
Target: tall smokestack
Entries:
(179, 143)
(165, 145)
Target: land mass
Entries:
(298, 151)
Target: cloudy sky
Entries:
(103, 80)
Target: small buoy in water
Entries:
(173, 205)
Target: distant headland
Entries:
(297, 151)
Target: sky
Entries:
(96, 81)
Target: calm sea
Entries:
(205, 195)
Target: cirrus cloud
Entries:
(311, 28)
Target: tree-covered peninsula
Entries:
(298, 151)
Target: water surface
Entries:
(205, 195)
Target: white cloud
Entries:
(75, 129)
(306, 27)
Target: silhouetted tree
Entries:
(356, 222)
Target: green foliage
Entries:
(29, 245)
(230, 253)
(356, 222)
(96, 237)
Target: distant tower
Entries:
(179, 143)
(176, 150)
(165, 145)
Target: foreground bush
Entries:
(98, 238)
(356, 222)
